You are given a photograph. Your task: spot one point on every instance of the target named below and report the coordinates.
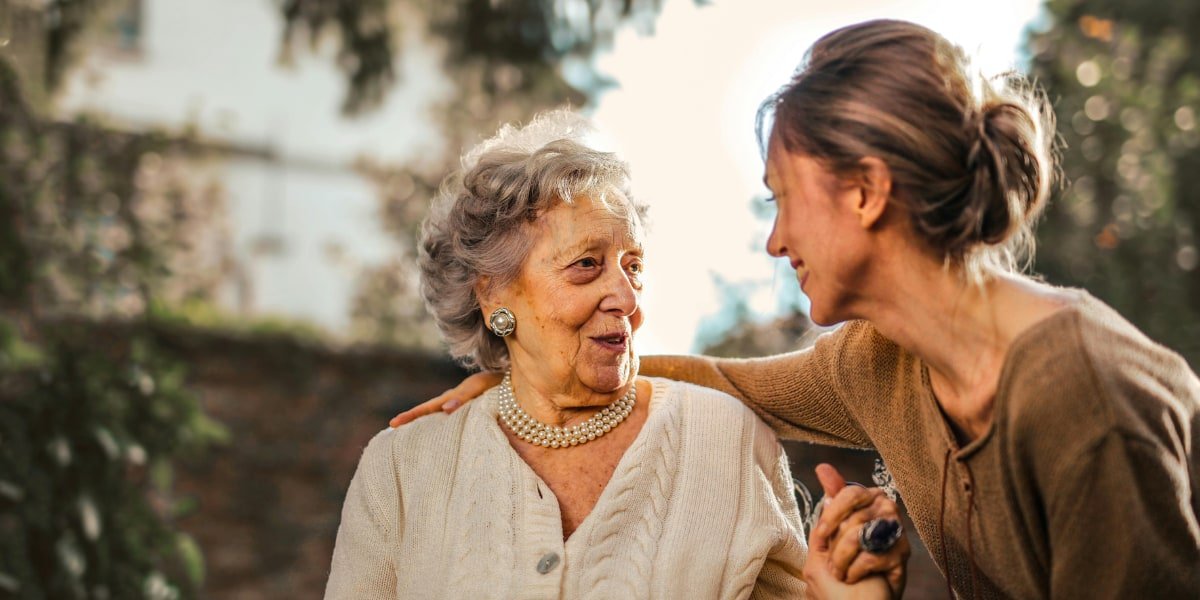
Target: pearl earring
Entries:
(503, 322)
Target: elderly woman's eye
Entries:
(636, 267)
(587, 263)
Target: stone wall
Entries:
(267, 505)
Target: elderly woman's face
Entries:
(577, 299)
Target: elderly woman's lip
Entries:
(612, 337)
(614, 342)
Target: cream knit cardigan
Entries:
(700, 506)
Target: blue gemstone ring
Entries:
(879, 535)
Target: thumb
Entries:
(832, 482)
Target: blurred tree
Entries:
(508, 46)
(1124, 78)
(93, 223)
(91, 429)
(507, 59)
(387, 306)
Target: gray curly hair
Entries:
(478, 225)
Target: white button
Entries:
(547, 563)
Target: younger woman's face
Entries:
(817, 229)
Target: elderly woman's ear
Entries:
(489, 297)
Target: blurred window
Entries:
(123, 35)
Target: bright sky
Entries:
(683, 116)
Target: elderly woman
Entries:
(1044, 447)
(573, 477)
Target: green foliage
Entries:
(65, 21)
(46, 35)
(81, 432)
(202, 314)
(515, 45)
(93, 227)
(1124, 77)
(85, 421)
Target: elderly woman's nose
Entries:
(621, 293)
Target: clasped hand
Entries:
(837, 565)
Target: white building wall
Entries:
(213, 67)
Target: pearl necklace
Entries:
(553, 436)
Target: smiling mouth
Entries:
(801, 271)
(617, 342)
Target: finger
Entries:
(817, 545)
(897, 577)
(831, 480)
(868, 564)
(816, 577)
(881, 507)
(449, 400)
(471, 388)
(845, 548)
(890, 563)
(425, 408)
(849, 500)
(476, 384)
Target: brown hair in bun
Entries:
(971, 159)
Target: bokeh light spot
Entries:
(1185, 118)
(1096, 108)
(1088, 73)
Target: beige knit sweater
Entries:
(1086, 485)
(700, 506)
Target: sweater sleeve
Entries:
(362, 561)
(1121, 525)
(1101, 423)
(796, 393)
(781, 575)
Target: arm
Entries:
(362, 566)
(797, 394)
(781, 575)
(1110, 442)
(1121, 524)
(470, 388)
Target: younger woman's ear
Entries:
(875, 190)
